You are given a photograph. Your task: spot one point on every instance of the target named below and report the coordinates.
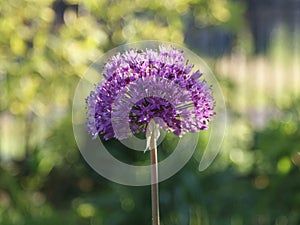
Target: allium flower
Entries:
(143, 85)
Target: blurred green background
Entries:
(252, 46)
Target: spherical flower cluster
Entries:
(152, 84)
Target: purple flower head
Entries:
(144, 85)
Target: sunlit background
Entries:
(252, 46)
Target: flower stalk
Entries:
(154, 179)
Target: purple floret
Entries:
(140, 85)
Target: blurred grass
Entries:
(264, 80)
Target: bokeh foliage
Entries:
(47, 45)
